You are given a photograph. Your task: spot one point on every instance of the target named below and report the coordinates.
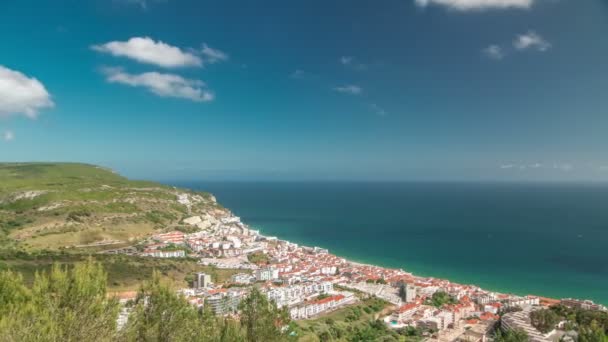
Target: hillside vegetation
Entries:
(63, 205)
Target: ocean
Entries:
(544, 239)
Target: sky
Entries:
(379, 90)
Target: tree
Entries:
(544, 320)
(231, 331)
(63, 305)
(403, 292)
(514, 335)
(592, 333)
(162, 315)
(440, 298)
(261, 318)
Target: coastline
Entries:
(364, 263)
(420, 228)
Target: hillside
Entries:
(63, 205)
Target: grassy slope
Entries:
(45, 207)
(49, 205)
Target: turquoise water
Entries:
(544, 239)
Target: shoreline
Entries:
(514, 280)
(362, 263)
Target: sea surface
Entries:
(543, 239)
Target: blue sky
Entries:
(309, 89)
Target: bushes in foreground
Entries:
(71, 304)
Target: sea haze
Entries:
(543, 239)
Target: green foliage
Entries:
(592, 325)
(161, 315)
(258, 258)
(54, 205)
(353, 323)
(440, 298)
(402, 292)
(515, 335)
(78, 215)
(63, 305)
(261, 318)
(544, 320)
(187, 229)
(592, 333)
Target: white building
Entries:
(268, 273)
(410, 293)
(242, 278)
(157, 253)
(201, 280)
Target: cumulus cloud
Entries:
(349, 89)
(467, 5)
(531, 40)
(164, 85)
(8, 136)
(146, 50)
(494, 52)
(213, 55)
(20, 94)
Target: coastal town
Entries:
(311, 282)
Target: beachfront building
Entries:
(521, 301)
(582, 304)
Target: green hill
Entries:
(67, 205)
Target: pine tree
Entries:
(64, 305)
(162, 315)
(261, 318)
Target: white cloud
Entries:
(146, 50)
(8, 136)
(349, 89)
(467, 5)
(377, 109)
(494, 52)
(213, 55)
(507, 166)
(164, 85)
(20, 94)
(531, 40)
